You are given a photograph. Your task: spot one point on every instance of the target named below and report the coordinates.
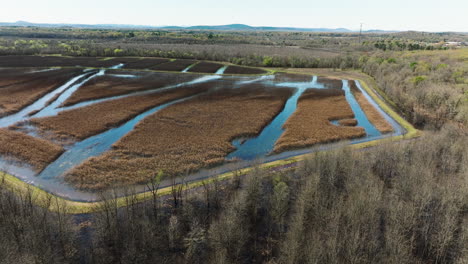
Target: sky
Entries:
(421, 15)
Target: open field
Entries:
(243, 70)
(21, 87)
(372, 114)
(24, 148)
(110, 85)
(84, 122)
(206, 67)
(177, 65)
(191, 135)
(310, 124)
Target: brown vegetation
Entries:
(24, 148)
(177, 65)
(330, 82)
(84, 122)
(348, 122)
(145, 63)
(206, 67)
(310, 124)
(19, 89)
(108, 85)
(243, 70)
(57, 61)
(371, 113)
(288, 77)
(183, 138)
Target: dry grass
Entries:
(51, 61)
(348, 122)
(20, 89)
(185, 137)
(108, 85)
(206, 67)
(86, 121)
(177, 65)
(372, 114)
(331, 83)
(24, 148)
(145, 63)
(243, 70)
(310, 124)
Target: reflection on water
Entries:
(246, 148)
(264, 143)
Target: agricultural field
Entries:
(118, 123)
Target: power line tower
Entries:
(360, 34)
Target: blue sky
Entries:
(426, 15)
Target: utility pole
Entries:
(360, 34)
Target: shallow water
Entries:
(38, 105)
(96, 145)
(359, 114)
(264, 143)
(257, 148)
(53, 108)
(221, 70)
(203, 79)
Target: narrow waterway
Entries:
(98, 144)
(264, 143)
(23, 114)
(247, 149)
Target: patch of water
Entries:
(221, 70)
(157, 90)
(98, 144)
(46, 70)
(263, 144)
(189, 67)
(53, 108)
(359, 114)
(123, 75)
(38, 105)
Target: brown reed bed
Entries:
(24, 148)
(183, 138)
(371, 113)
(145, 63)
(206, 67)
(310, 124)
(243, 70)
(290, 77)
(348, 122)
(22, 88)
(330, 83)
(59, 61)
(177, 65)
(84, 122)
(108, 85)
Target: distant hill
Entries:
(231, 27)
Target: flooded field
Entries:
(76, 130)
